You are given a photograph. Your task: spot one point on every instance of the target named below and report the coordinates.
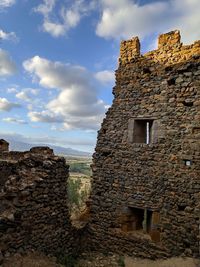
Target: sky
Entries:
(58, 57)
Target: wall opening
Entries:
(181, 207)
(142, 131)
(188, 103)
(146, 71)
(79, 187)
(187, 162)
(168, 68)
(137, 219)
(171, 81)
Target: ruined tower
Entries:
(146, 168)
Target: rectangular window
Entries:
(143, 221)
(137, 219)
(187, 162)
(142, 131)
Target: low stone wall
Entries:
(33, 211)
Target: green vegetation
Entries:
(121, 261)
(81, 167)
(78, 184)
(77, 195)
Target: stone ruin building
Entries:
(33, 203)
(145, 198)
(146, 172)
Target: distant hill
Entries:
(22, 146)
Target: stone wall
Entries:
(4, 145)
(145, 194)
(33, 196)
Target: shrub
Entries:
(121, 261)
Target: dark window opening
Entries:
(188, 103)
(105, 154)
(181, 207)
(171, 81)
(146, 71)
(181, 71)
(142, 131)
(137, 219)
(169, 68)
(186, 244)
(187, 162)
(104, 131)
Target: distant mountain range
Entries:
(22, 146)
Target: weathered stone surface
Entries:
(33, 203)
(157, 179)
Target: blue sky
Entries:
(57, 61)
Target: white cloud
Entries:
(12, 90)
(46, 7)
(126, 18)
(6, 105)
(8, 36)
(54, 29)
(7, 66)
(6, 3)
(44, 116)
(105, 76)
(76, 103)
(14, 120)
(67, 18)
(27, 94)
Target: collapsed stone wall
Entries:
(33, 196)
(145, 198)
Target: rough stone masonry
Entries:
(145, 197)
(33, 203)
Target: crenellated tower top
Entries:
(169, 45)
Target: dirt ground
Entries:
(98, 260)
(173, 262)
(31, 260)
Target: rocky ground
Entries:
(98, 260)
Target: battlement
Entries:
(169, 45)
(130, 48)
(170, 39)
